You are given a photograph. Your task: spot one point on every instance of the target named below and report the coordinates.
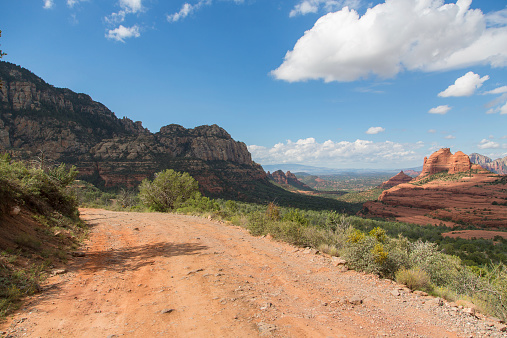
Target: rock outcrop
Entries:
(479, 159)
(478, 198)
(288, 180)
(498, 166)
(37, 118)
(399, 178)
(444, 160)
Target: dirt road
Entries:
(149, 275)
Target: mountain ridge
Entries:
(63, 126)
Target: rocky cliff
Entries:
(37, 118)
(443, 160)
(498, 166)
(288, 180)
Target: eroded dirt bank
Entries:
(148, 275)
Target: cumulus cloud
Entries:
(432, 131)
(48, 4)
(309, 151)
(465, 85)
(488, 144)
(121, 33)
(397, 35)
(312, 6)
(375, 130)
(187, 9)
(442, 110)
(450, 137)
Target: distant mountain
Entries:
(301, 170)
(39, 119)
(479, 159)
(288, 180)
(498, 166)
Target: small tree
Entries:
(168, 190)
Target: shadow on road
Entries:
(133, 258)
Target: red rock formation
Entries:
(399, 178)
(288, 179)
(444, 160)
(476, 200)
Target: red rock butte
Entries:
(444, 160)
(399, 178)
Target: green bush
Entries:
(169, 190)
(414, 279)
(41, 190)
(443, 269)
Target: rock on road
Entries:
(168, 275)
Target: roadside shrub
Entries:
(443, 269)
(257, 223)
(273, 212)
(199, 204)
(375, 252)
(414, 279)
(127, 198)
(295, 215)
(169, 190)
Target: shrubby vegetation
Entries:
(42, 192)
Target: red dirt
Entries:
(151, 274)
(469, 234)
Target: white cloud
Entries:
(498, 105)
(450, 137)
(497, 18)
(188, 9)
(432, 131)
(487, 144)
(440, 110)
(48, 4)
(121, 33)
(465, 85)
(72, 3)
(499, 90)
(131, 6)
(424, 35)
(309, 151)
(312, 6)
(375, 130)
(503, 109)
(127, 7)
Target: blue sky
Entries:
(334, 83)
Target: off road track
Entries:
(168, 275)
